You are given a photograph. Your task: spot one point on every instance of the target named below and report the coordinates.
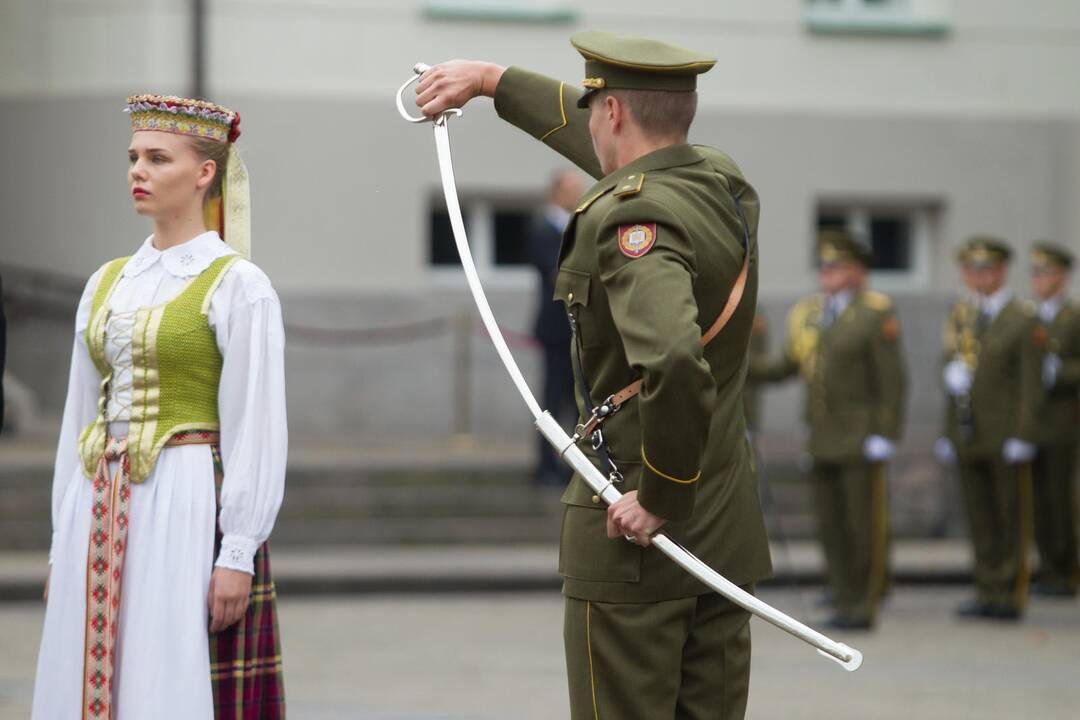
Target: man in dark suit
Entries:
(552, 330)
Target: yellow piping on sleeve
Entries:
(665, 475)
(562, 110)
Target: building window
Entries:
(498, 231)
(878, 17)
(899, 236)
(513, 11)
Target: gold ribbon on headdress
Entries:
(230, 215)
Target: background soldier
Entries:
(1059, 424)
(845, 345)
(651, 256)
(992, 375)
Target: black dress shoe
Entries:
(842, 622)
(972, 609)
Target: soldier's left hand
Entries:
(626, 517)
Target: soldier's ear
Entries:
(614, 111)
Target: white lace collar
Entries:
(184, 260)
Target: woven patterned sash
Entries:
(105, 569)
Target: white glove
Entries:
(1051, 368)
(944, 451)
(957, 378)
(1017, 451)
(878, 449)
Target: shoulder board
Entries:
(876, 301)
(630, 185)
(807, 306)
(1029, 308)
(590, 200)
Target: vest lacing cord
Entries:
(121, 332)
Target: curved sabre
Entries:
(849, 658)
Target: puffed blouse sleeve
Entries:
(80, 407)
(246, 316)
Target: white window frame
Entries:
(480, 221)
(922, 217)
(888, 17)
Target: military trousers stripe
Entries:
(684, 659)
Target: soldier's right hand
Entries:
(957, 378)
(1050, 369)
(452, 84)
(944, 451)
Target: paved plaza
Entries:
(499, 656)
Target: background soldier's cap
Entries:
(837, 245)
(984, 251)
(1050, 255)
(625, 62)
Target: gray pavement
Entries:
(496, 656)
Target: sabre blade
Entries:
(457, 223)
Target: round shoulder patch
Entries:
(1040, 337)
(637, 239)
(891, 328)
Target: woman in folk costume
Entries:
(171, 463)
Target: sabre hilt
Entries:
(440, 119)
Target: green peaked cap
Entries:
(626, 62)
(984, 251)
(1045, 254)
(836, 244)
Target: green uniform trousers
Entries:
(1054, 485)
(685, 659)
(853, 523)
(997, 498)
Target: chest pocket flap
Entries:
(572, 287)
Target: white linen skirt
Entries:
(163, 658)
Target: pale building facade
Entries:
(917, 122)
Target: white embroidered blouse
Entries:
(245, 315)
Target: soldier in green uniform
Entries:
(845, 344)
(649, 260)
(1059, 424)
(992, 377)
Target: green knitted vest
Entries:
(176, 369)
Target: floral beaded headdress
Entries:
(230, 214)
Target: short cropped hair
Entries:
(659, 113)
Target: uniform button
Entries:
(596, 499)
(570, 297)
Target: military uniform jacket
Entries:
(1006, 388)
(853, 369)
(1059, 413)
(682, 441)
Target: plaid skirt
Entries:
(245, 659)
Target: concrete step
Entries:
(393, 492)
